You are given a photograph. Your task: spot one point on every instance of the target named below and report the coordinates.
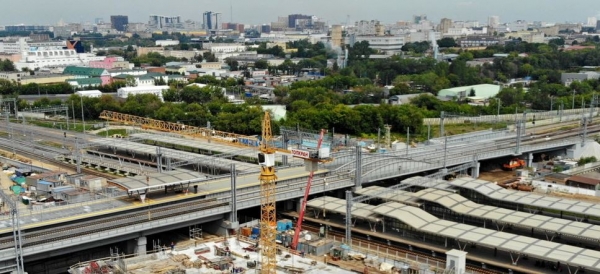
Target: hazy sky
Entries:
(265, 11)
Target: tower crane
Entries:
(268, 222)
(311, 161)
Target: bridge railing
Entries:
(8, 253)
(505, 117)
(396, 169)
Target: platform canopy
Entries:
(332, 204)
(387, 194)
(178, 155)
(427, 182)
(158, 180)
(464, 206)
(529, 199)
(550, 251)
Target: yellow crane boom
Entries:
(268, 221)
(193, 131)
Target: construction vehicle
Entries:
(268, 221)
(339, 253)
(311, 161)
(514, 164)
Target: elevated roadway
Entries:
(340, 174)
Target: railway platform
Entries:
(364, 235)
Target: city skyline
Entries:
(333, 11)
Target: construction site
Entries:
(171, 198)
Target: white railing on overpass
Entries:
(505, 117)
(9, 253)
(396, 169)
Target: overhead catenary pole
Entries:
(407, 139)
(428, 132)
(82, 118)
(442, 114)
(498, 112)
(67, 117)
(349, 218)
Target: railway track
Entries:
(398, 250)
(109, 223)
(51, 160)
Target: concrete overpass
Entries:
(343, 173)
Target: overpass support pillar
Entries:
(358, 169)
(299, 205)
(529, 159)
(475, 170)
(233, 215)
(141, 246)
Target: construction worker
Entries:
(172, 246)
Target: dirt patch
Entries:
(497, 175)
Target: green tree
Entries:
(447, 42)
(261, 64)
(130, 81)
(7, 65)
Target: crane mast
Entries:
(306, 193)
(268, 222)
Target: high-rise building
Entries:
(336, 36)
(76, 45)
(445, 25)
(364, 27)
(28, 28)
(591, 21)
(281, 24)
(293, 19)
(233, 26)
(598, 26)
(159, 22)
(210, 20)
(119, 22)
(265, 29)
(418, 18)
(493, 21)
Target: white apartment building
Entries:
(364, 27)
(23, 44)
(527, 36)
(11, 76)
(223, 47)
(420, 36)
(36, 58)
(156, 90)
(166, 43)
(386, 44)
(132, 72)
(466, 31)
(89, 93)
(466, 24)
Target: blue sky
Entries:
(265, 11)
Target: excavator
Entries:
(514, 164)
